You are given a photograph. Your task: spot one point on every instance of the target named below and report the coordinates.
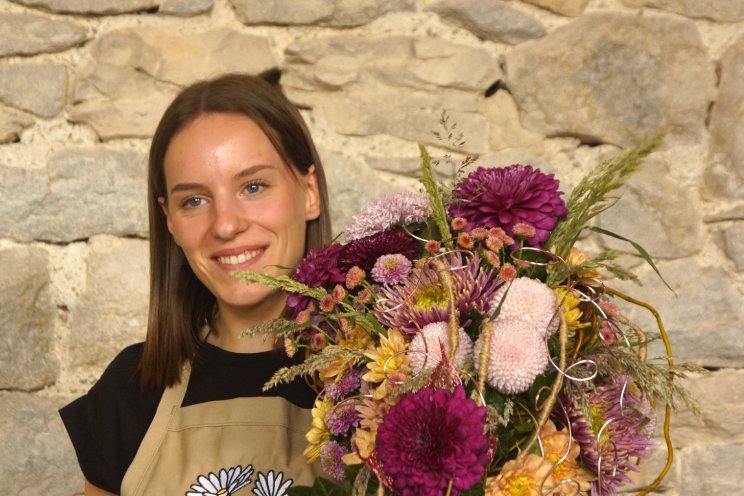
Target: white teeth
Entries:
(238, 259)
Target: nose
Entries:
(229, 220)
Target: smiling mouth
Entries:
(239, 259)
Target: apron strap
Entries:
(148, 449)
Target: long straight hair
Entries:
(180, 305)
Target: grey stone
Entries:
(712, 470)
(341, 13)
(725, 177)
(571, 8)
(37, 88)
(26, 351)
(36, 455)
(185, 7)
(614, 78)
(12, 123)
(490, 20)
(29, 34)
(99, 7)
(136, 73)
(658, 212)
(733, 244)
(112, 311)
(717, 10)
(80, 193)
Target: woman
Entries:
(235, 183)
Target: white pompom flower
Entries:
(427, 342)
(530, 300)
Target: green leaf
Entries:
(435, 197)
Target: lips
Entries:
(238, 258)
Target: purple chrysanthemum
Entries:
(342, 417)
(430, 438)
(388, 211)
(318, 268)
(330, 459)
(422, 298)
(391, 269)
(364, 252)
(505, 196)
(350, 381)
(612, 432)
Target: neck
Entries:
(232, 321)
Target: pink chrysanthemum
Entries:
(364, 252)
(331, 462)
(626, 436)
(428, 341)
(422, 298)
(318, 268)
(430, 438)
(391, 269)
(505, 196)
(388, 211)
(530, 300)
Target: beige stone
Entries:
(185, 8)
(37, 88)
(491, 20)
(717, 10)
(100, 7)
(27, 358)
(571, 8)
(29, 34)
(506, 130)
(733, 244)
(112, 311)
(614, 78)
(342, 13)
(12, 123)
(711, 469)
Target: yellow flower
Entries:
(319, 434)
(379, 356)
(526, 476)
(577, 257)
(354, 338)
(570, 307)
(555, 446)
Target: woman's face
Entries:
(233, 204)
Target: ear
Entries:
(164, 205)
(312, 195)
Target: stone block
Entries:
(733, 244)
(36, 455)
(29, 34)
(712, 470)
(339, 13)
(12, 122)
(185, 8)
(614, 78)
(27, 358)
(505, 129)
(37, 88)
(98, 7)
(491, 20)
(112, 311)
(716, 10)
(570, 8)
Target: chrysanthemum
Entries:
(364, 252)
(318, 268)
(318, 435)
(570, 307)
(530, 300)
(331, 459)
(382, 355)
(613, 433)
(517, 355)
(342, 417)
(349, 381)
(557, 445)
(391, 269)
(426, 347)
(503, 197)
(422, 298)
(431, 438)
(388, 211)
(525, 476)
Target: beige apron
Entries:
(239, 446)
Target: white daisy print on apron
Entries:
(227, 483)
(271, 485)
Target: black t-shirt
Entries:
(107, 425)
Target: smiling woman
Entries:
(235, 183)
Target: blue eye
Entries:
(253, 188)
(193, 202)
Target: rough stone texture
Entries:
(564, 7)
(733, 244)
(136, 73)
(717, 10)
(99, 7)
(726, 174)
(666, 225)
(614, 78)
(712, 470)
(12, 123)
(26, 351)
(37, 88)
(393, 85)
(36, 456)
(506, 130)
(490, 20)
(341, 13)
(29, 34)
(185, 7)
(112, 311)
(80, 193)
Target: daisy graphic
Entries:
(270, 485)
(224, 484)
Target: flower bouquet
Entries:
(461, 344)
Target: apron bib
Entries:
(239, 446)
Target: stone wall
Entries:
(560, 84)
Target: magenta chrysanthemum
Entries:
(430, 438)
(391, 269)
(425, 349)
(342, 417)
(530, 300)
(318, 268)
(422, 297)
(388, 211)
(505, 196)
(364, 252)
(612, 430)
(330, 459)
(350, 381)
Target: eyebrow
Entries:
(247, 172)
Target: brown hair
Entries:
(180, 304)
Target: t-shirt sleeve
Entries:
(107, 424)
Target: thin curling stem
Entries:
(668, 409)
(486, 329)
(550, 402)
(454, 323)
